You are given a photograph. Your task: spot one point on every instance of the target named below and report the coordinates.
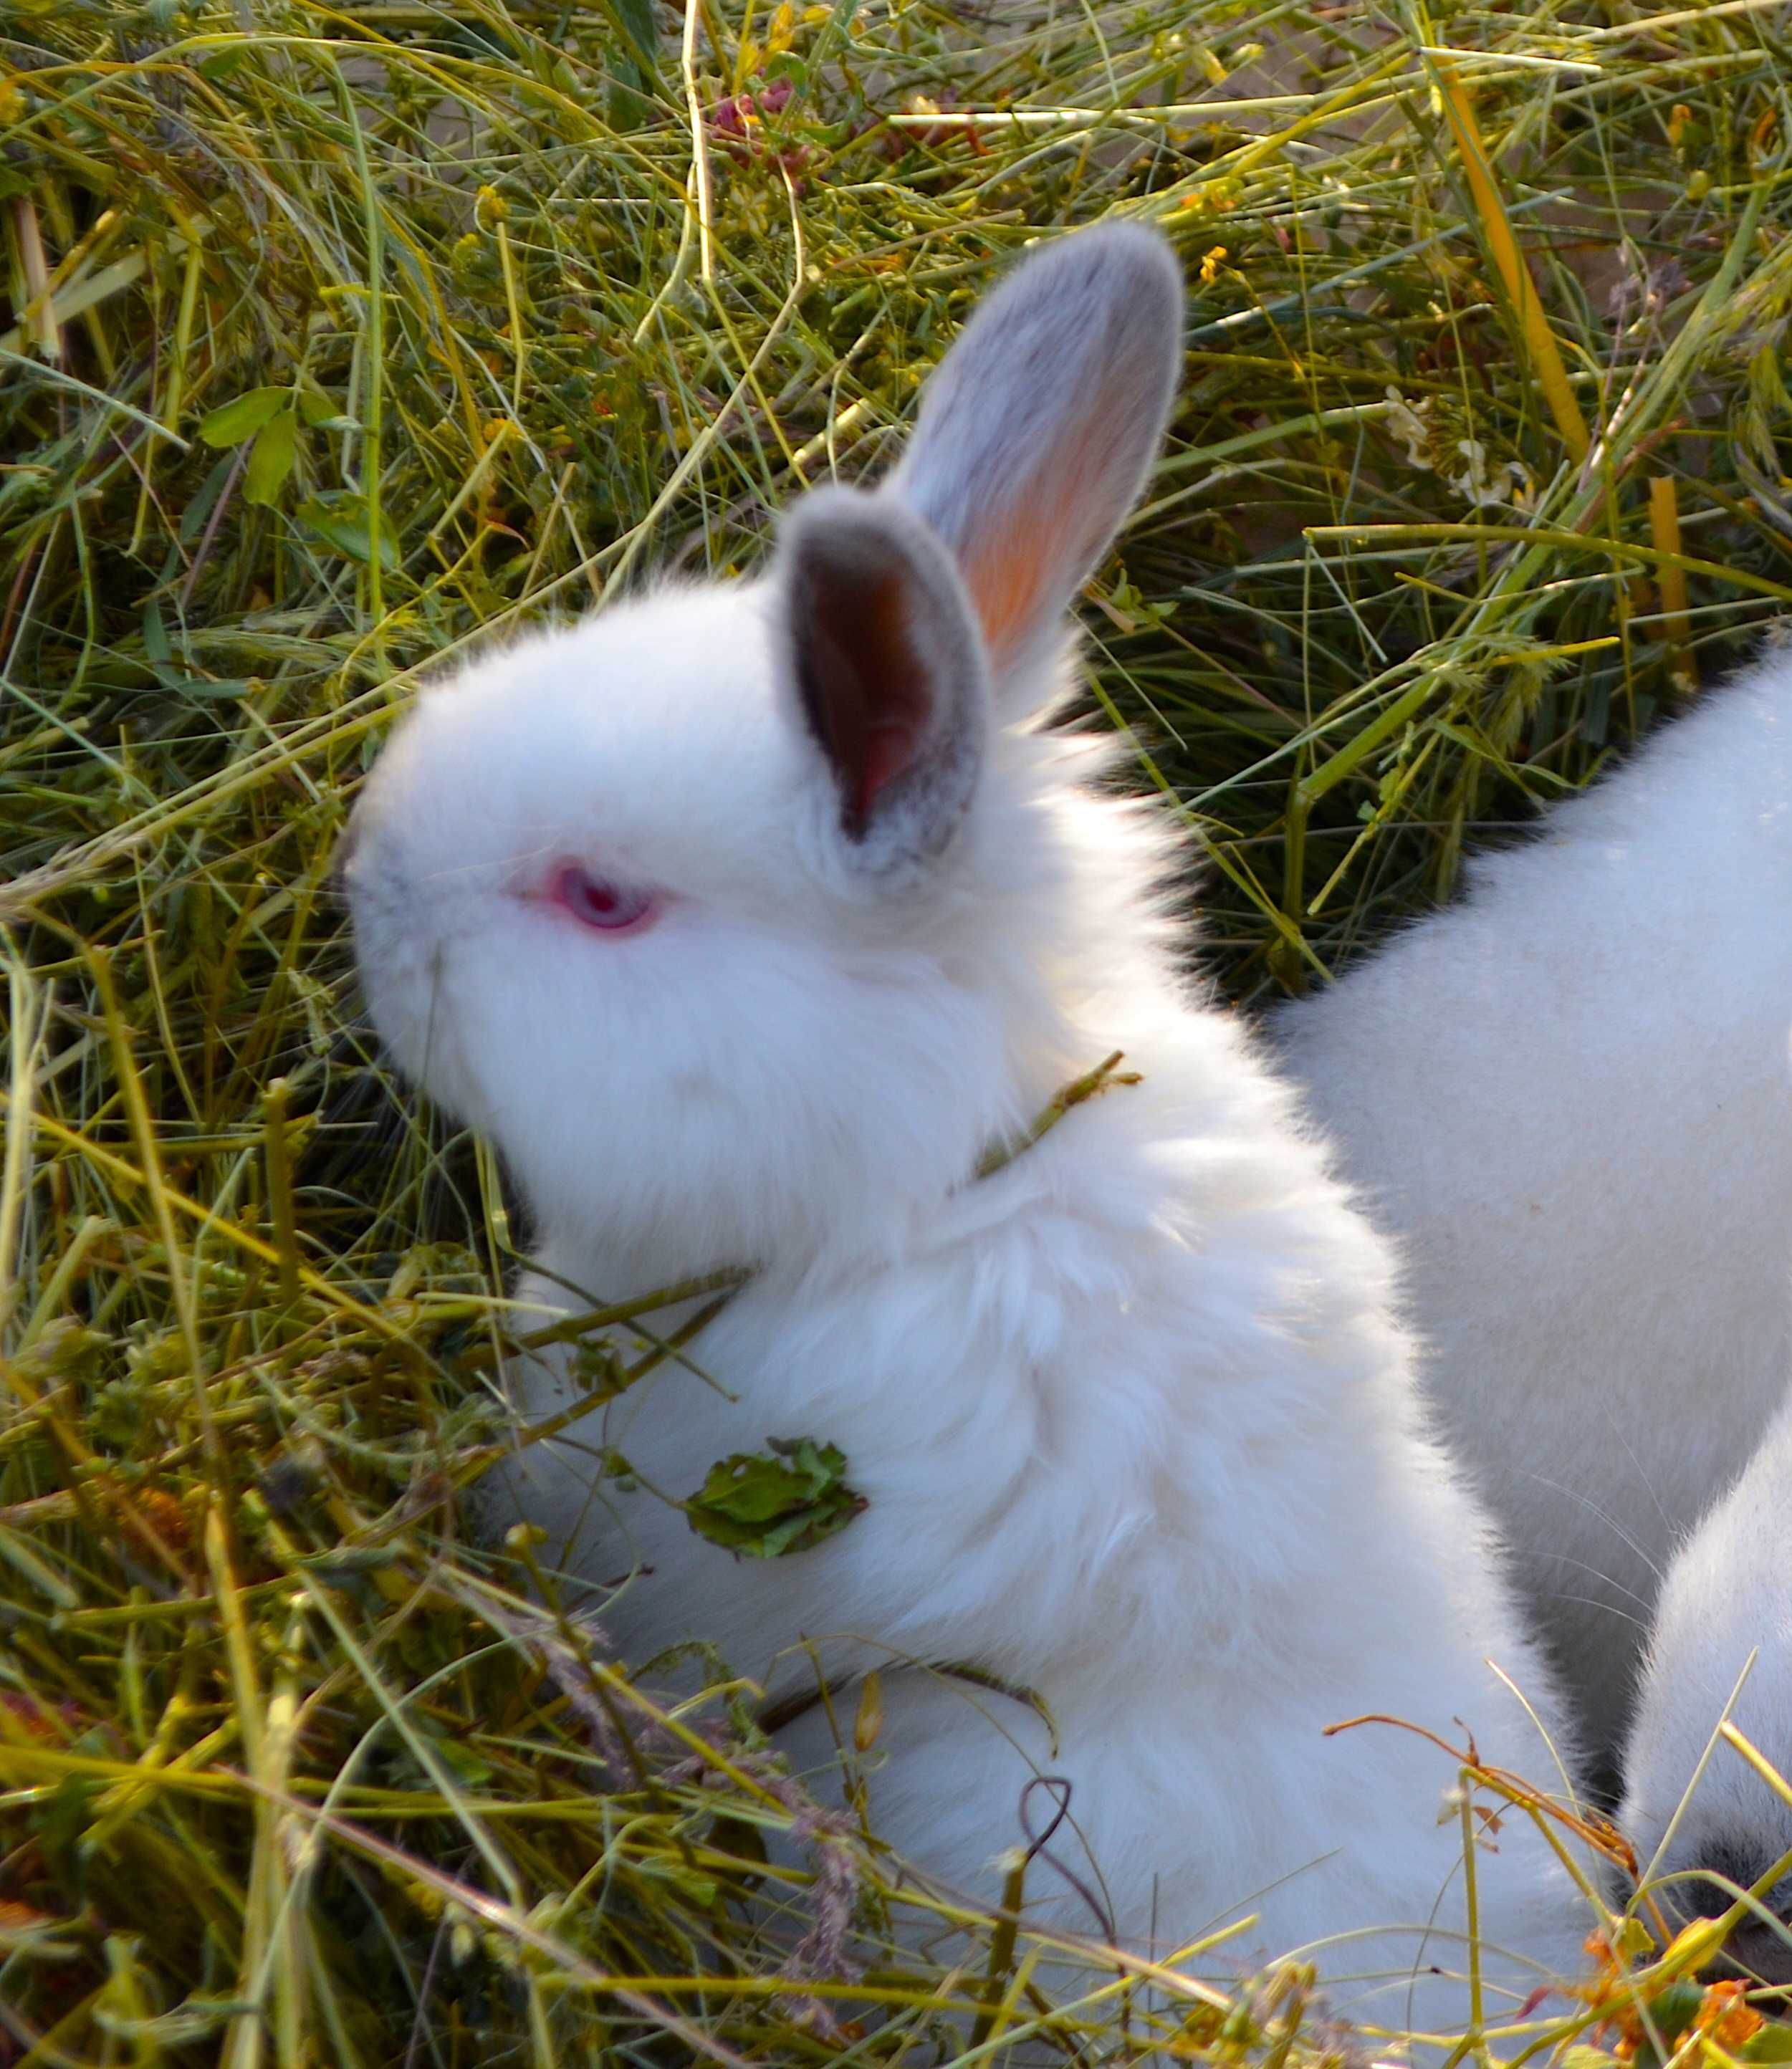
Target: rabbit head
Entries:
(709, 909)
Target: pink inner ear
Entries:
(889, 748)
(868, 689)
(1014, 568)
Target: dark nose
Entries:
(1754, 1947)
(1760, 1952)
(1712, 1874)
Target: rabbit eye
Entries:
(595, 902)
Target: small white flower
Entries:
(1508, 483)
(1407, 422)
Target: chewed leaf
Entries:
(234, 421)
(787, 1498)
(755, 1489)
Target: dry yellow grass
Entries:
(343, 335)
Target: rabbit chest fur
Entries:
(745, 920)
(1136, 1430)
(1569, 1096)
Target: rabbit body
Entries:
(1133, 1414)
(1727, 1600)
(1569, 1096)
(1136, 1430)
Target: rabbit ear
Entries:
(887, 674)
(1036, 435)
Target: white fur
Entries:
(1569, 1097)
(1727, 1599)
(1134, 1415)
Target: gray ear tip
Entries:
(1131, 266)
(834, 532)
(835, 521)
(842, 525)
(1119, 280)
(1138, 249)
(818, 509)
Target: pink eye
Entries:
(593, 901)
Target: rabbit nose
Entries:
(1754, 1947)
(1760, 1952)
(1711, 1873)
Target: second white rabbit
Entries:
(1569, 1096)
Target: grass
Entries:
(342, 335)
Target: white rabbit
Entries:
(1569, 1098)
(1727, 1600)
(744, 920)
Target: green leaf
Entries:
(322, 414)
(236, 421)
(190, 685)
(635, 18)
(60, 1820)
(629, 107)
(464, 1762)
(1772, 2043)
(342, 519)
(1674, 2009)
(271, 458)
(788, 1498)
(702, 1891)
